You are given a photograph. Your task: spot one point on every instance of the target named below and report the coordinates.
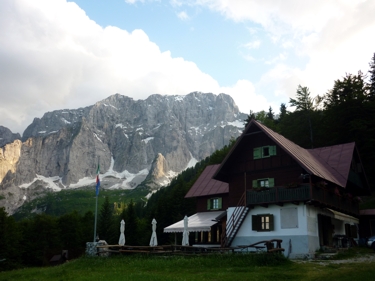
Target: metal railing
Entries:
(234, 222)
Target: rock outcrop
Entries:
(6, 136)
(130, 139)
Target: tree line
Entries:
(33, 241)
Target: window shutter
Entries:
(219, 203)
(271, 182)
(255, 183)
(272, 150)
(255, 222)
(257, 153)
(208, 204)
(271, 222)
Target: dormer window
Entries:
(264, 151)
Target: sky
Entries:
(59, 54)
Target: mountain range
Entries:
(131, 141)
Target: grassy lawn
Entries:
(213, 268)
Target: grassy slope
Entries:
(219, 267)
(81, 200)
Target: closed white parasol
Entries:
(185, 234)
(154, 239)
(121, 241)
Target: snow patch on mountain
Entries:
(51, 182)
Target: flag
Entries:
(97, 181)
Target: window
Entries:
(262, 222)
(264, 151)
(214, 204)
(265, 183)
(289, 218)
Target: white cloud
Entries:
(131, 2)
(253, 45)
(246, 98)
(53, 56)
(334, 37)
(183, 15)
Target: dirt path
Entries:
(366, 258)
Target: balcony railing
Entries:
(317, 196)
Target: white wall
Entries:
(299, 242)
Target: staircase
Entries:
(234, 222)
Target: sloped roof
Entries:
(330, 163)
(338, 157)
(206, 185)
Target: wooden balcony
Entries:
(313, 195)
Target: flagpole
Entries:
(96, 217)
(97, 194)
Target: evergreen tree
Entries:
(283, 111)
(270, 115)
(87, 222)
(71, 231)
(10, 235)
(249, 118)
(105, 220)
(131, 229)
(305, 104)
(371, 93)
(349, 116)
(40, 240)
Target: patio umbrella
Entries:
(154, 239)
(121, 241)
(185, 234)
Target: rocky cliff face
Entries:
(6, 136)
(131, 139)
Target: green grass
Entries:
(218, 267)
(80, 200)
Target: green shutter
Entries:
(271, 182)
(255, 183)
(257, 153)
(208, 204)
(271, 222)
(219, 203)
(272, 149)
(255, 222)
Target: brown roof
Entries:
(329, 163)
(205, 185)
(338, 157)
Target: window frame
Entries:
(263, 222)
(259, 152)
(215, 203)
(257, 183)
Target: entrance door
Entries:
(325, 230)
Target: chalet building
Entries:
(267, 188)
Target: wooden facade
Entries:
(287, 178)
(202, 202)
